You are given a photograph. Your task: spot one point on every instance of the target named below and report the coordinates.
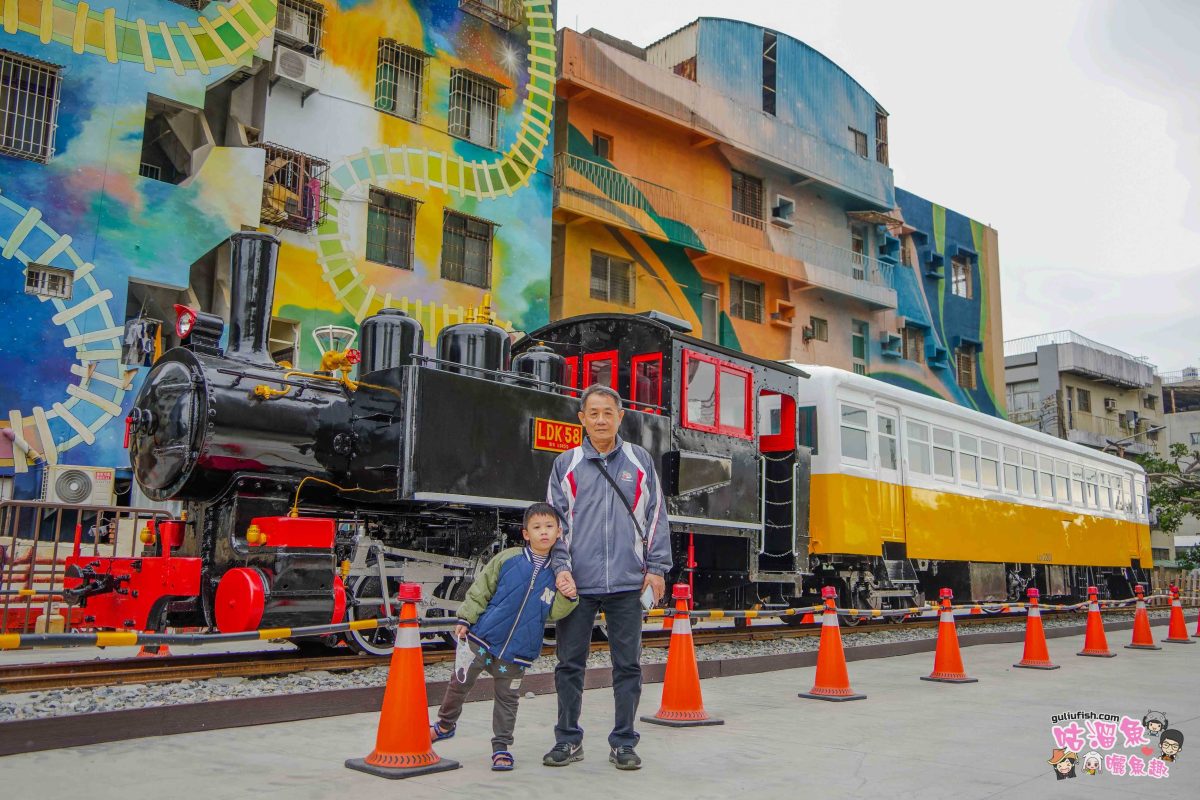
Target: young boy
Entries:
(503, 619)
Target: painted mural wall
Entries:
(65, 389)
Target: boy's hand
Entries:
(460, 631)
(565, 583)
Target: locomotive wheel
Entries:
(378, 641)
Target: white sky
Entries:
(1070, 126)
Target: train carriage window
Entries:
(943, 453)
(1046, 478)
(1106, 493)
(1028, 474)
(645, 380)
(888, 450)
(989, 465)
(806, 418)
(1139, 497)
(1011, 467)
(1061, 488)
(918, 447)
(968, 459)
(1077, 494)
(600, 368)
(1127, 491)
(1090, 489)
(854, 433)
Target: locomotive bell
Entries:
(540, 363)
(388, 339)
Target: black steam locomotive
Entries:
(310, 495)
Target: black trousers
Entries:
(506, 682)
(623, 615)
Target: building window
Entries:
(294, 185)
(881, 136)
(1195, 439)
(284, 341)
(746, 299)
(905, 255)
(612, 279)
(300, 25)
(964, 365)
(686, 69)
(46, 281)
(1149, 402)
(195, 5)
(504, 14)
(28, 106)
(961, 277)
(467, 249)
(399, 74)
(1084, 398)
(710, 311)
(859, 334)
(914, 344)
(390, 228)
(860, 143)
(747, 199)
(602, 145)
(165, 155)
(858, 244)
(474, 101)
(769, 60)
(820, 329)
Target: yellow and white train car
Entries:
(910, 493)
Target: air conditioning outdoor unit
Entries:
(78, 486)
(297, 69)
(1110, 404)
(292, 22)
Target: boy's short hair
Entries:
(540, 510)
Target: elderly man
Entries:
(615, 548)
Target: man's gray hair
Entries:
(600, 389)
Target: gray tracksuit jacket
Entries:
(601, 546)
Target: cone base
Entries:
(963, 679)
(1142, 647)
(1097, 653)
(833, 698)
(396, 773)
(1180, 641)
(683, 723)
(1036, 666)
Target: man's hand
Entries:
(565, 583)
(460, 631)
(658, 582)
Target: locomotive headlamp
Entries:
(185, 320)
(147, 535)
(198, 331)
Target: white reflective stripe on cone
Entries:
(681, 625)
(1175, 604)
(407, 636)
(1034, 611)
(829, 619)
(946, 616)
(1094, 607)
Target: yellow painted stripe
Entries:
(99, 402)
(110, 35)
(716, 614)
(274, 633)
(364, 624)
(876, 613)
(116, 639)
(195, 48)
(147, 55)
(26, 592)
(81, 18)
(10, 641)
(212, 33)
(172, 53)
(10, 16)
(751, 614)
(46, 22)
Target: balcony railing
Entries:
(1030, 344)
(599, 191)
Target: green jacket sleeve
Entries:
(562, 606)
(482, 589)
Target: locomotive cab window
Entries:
(645, 382)
(716, 396)
(600, 368)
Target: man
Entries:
(609, 563)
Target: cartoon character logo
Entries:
(1091, 763)
(1155, 722)
(1063, 762)
(1171, 742)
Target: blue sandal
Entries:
(437, 733)
(502, 761)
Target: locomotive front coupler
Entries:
(95, 584)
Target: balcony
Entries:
(1083, 356)
(1097, 431)
(591, 65)
(593, 190)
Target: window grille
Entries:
(820, 328)
(390, 228)
(504, 14)
(860, 332)
(612, 279)
(399, 78)
(964, 361)
(46, 281)
(960, 277)
(860, 142)
(474, 102)
(881, 137)
(152, 171)
(294, 188)
(747, 198)
(300, 24)
(914, 344)
(1085, 400)
(746, 299)
(29, 91)
(467, 249)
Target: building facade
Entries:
(1181, 401)
(734, 177)
(400, 150)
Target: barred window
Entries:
(29, 92)
(960, 284)
(294, 188)
(399, 75)
(914, 344)
(390, 228)
(46, 281)
(474, 101)
(300, 24)
(505, 14)
(746, 299)
(881, 137)
(612, 279)
(747, 197)
(964, 361)
(860, 142)
(467, 249)
(820, 328)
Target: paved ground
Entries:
(910, 738)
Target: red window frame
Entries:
(747, 429)
(572, 366)
(645, 358)
(591, 358)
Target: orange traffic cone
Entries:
(947, 660)
(154, 651)
(682, 706)
(976, 609)
(1142, 639)
(832, 682)
(403, 748)
(1035, 656)
(808, 619)
(1094, 641)
(1177, 632)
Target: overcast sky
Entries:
(1072, 127)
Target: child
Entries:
(503, 619)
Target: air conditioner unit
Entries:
(297, 69)
(78, 486)
(1110, 404)
(293, 22)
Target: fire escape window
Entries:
(300, 25)
(399, 76)
(28, 106)
(294, 188)
(505, 14)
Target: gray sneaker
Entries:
(562, 754)
(624, 757)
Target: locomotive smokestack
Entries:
(254, 257)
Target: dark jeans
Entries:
(623, 615)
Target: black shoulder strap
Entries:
(629, 508)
